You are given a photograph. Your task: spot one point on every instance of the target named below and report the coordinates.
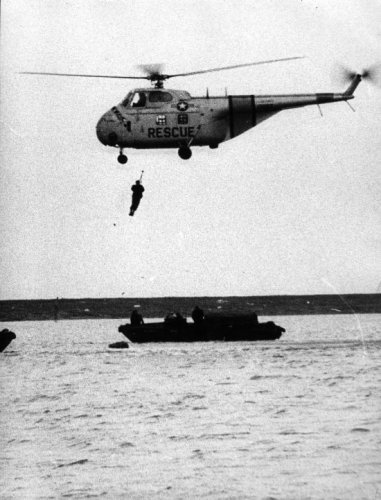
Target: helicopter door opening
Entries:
(138, 100)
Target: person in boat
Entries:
(198, 315)
(137, 194)
(136, 318)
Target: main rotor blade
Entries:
(83, 76)
(153, 71)
(236, 66)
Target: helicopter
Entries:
(157, 117)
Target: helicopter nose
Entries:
(105, 130)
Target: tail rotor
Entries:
(344, 75)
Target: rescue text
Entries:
(159, 132)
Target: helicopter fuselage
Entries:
(165, 118)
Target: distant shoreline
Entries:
(157, 307)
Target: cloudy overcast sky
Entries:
(290, 207)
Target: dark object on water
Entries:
(212, 328)
(6, 337)
(119, 345)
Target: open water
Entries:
(297, 418)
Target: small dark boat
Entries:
(119, 345)
(213, 328)
(6, 337)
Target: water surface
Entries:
(292, 419)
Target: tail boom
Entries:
(278, 102)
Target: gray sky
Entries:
(290, 207)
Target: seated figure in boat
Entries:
(198, 315)
(136, 318)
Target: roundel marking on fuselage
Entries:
(182, 106)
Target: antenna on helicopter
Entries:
(351, 107)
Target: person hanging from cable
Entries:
(137, 194)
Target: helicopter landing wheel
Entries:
(122, 158)
(185, 153)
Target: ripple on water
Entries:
(127, 444)
(76, 462)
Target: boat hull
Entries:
(213, 330)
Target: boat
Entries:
(214, 327)
(6, 337)
(119, 345)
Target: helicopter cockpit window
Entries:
(157, 96)
(126, 101)
(139, 100)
